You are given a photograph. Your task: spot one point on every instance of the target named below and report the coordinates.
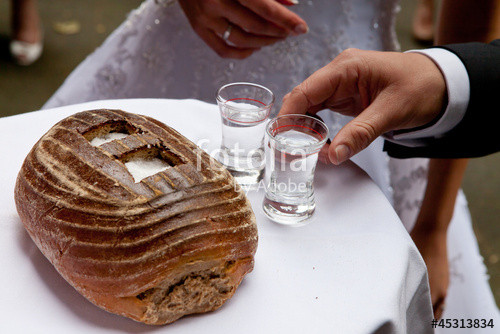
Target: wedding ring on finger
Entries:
(227, 33)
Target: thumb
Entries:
(356, 135)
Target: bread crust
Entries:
(175, 243)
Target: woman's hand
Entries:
(254, 24)
(432, 247)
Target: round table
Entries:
(353, 269)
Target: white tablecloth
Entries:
(353, 269)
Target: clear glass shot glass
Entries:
(292, 146)
(244, 109)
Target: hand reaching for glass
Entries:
(238, 28)
(385, 91)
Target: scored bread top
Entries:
(103, 231)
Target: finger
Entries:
(288, 2)
(251, 22)
(221, 48)
(356, 135)
(310, 95)
(241, 38)
(290, 107)
(276, 13)
(323, 153)
(349, 106)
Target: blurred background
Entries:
(73, 29)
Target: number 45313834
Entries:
(465, 323)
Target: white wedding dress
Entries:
(155, 53)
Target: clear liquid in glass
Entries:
(290, 163)
(242, 148)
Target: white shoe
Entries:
(25, 53)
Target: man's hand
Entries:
(254, 24)
(384, 91)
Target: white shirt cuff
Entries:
(457, 84)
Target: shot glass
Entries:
(244, 109)
(292, 146)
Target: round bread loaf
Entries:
(174, 243)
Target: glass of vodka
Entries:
(292, 145)
(244, 109)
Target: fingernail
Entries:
(301, 29)
(342, 152)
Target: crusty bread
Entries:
(176, 243)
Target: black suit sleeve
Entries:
(478, 133)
